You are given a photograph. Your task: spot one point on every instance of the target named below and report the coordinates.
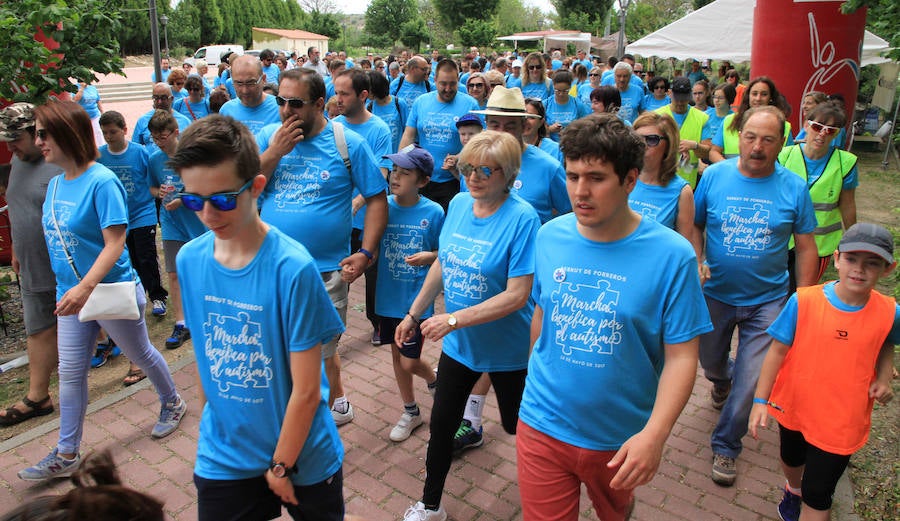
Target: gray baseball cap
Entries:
(869, 237)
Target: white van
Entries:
(211, 53)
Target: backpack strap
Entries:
(341, 142)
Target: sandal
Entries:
(134, 376)
(15, 416)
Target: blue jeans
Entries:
(743, 371)
(77, 342)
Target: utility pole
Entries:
(154, 40)
(620, 48)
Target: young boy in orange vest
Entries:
(831, 358)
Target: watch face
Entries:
(278, 470)
(451, 320)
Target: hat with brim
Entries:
(506, 102)
(413, 157)
(681, 89)
(870, 238)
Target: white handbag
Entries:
(108, 300)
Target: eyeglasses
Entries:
(659, 87)
(593, 74)
(194, 89)
(699, 93)
(294, 103)
(822, 128)
(561, 91)
(160, 98)
(41, 133)
(475, 86)
(718, 98)
(249, 83)
(161, 137)
(222, 201)
(534, 67)
(653, 140)
(179, 83)
(467, 170)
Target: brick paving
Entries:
(382, 478)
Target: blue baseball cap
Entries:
(469, 119)
(413, 157)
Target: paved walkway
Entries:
(382, 477)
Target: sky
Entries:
(359, 6)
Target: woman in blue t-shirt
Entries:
(485, 268)
(85, 217)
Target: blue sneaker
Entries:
(789, 508)
(104, 353)
(180, 335)
(467, 437)
(159, 308)
(170, 416)
(52, 466)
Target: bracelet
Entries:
(366, 252)
(414, 319)
(761, 401)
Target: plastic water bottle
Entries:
(167, 189)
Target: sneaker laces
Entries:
(168, 411)
(465, 428)
(414, 510)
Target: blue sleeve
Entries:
(851, 180)
(262, 139)
(894, 335)
(110, 203)
(311, 316)
(521, 256)
(685, 311)
(785, 326)
(412, 119)
(559, 194)
(700, 201)
(806, 216)
(366, 176)
(707, 131)
(584, 109)
(719, 138)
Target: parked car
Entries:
(212, 53)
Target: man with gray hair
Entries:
(162, 100)
(28, 179)
(632, 95)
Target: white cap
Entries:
(517, 63)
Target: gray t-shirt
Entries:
(25, 196)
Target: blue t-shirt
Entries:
(410, 229)
(165, 76)
(651, 103)
(394, 114)
(376, 133)
(749, 222)
(246, 323)
(609, 78)
(478, 257)
(513, 82)
(132, 167)
(657, 203)
(309, 194)
(784, 327)
(584, 92)
(608, 310)
(632, 103)
(192, 110)
(84, 207)
(542, 183)
(272, 73)
(90, 96)
(254, 118)
(178, 94)
(715, 122)
(435, 124)
(551, 148)
(141, 134)
(409, 92)
(565, 113)
(179, 224)
(539, 91)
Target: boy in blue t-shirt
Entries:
(408, 248)
(256, 301)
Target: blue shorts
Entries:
(251, 500)
(388, 326)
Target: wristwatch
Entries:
(281, 470)
(451, 321)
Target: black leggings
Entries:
(455, 382)
(822, 469)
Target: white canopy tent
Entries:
(553, 39)
(723, 30)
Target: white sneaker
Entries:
(341, 418)
(417, 512)
(405, 426)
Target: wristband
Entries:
(761, 401)
(366, 252)
(414, 319)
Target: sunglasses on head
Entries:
(653, 140)
(821, 128)
(222, 201)
(294, 103)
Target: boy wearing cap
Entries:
(466, 126)
(408, 248)
(831, 358)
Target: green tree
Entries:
(513, 17)
(582, 15)
(455, 13)
(210, 22)
(323, 23)
(883, 19)
(85, 30)
(414, 32)
(645, 16)
(387, 18)
(480, 33)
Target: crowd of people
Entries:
(544, 197)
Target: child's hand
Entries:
(449, 162)
(759, 416)
(881, 391)
(422, 258)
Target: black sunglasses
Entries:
(294, 103)
(222, 201)
(653, 140)
(41, 133)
